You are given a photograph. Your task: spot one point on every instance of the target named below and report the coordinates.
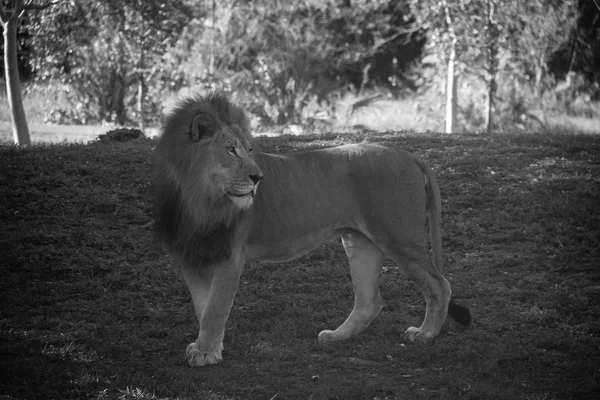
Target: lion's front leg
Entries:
(213, 293)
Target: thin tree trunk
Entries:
(492, 39)
(116, 103)
(489, 114)
(13, 84)
(141, 92)
(365, 79)
(451, 90)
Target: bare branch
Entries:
(10, 14)
(387, 40)
(31, 5)
(18, 10)
(449, 22)
(3, 15)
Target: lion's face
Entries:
(233, 173)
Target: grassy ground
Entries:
(91, 308)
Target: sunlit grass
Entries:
(418, 114)
(385, 114)
(573, 124)
(38, 101)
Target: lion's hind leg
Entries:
(436, 290)
(366, 260)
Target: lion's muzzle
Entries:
(242, 193)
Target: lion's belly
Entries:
(290, 248)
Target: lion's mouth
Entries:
(242, 200)
(245, 195)
(242, 195)
(250, 193)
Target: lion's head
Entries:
(205, 178)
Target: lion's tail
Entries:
(458, 312)
(434, 203)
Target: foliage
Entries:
(92, 308)
(278, 57)
(579, 57)
(506, 45)
(103, 49)
(289, 62)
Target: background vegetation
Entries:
(321, 65)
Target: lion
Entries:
(220, 204)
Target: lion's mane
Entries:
(195, 223)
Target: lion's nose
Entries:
(256, 178)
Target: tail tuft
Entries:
(460, 314)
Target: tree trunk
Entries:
(489, 114)
(492, 43)
(451, 90)
(141, 92)
(116, 111)
(451, 73)
(13, 84)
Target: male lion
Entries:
(213, 217)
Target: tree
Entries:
(580, 55)
(494, 40)
(451, 91)
(444, 26)
(293, 54)
(286, 58)
(104, 50)
(11, 13)
(147, 28)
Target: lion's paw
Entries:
(199, 358)
(418, 335)
(327, 336)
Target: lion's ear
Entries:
(202, 126)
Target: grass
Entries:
(574, 123)
(92, 308)
(386, 114)
(426, 113)
(38, 101)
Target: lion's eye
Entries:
(250, 150)
(231, 150)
